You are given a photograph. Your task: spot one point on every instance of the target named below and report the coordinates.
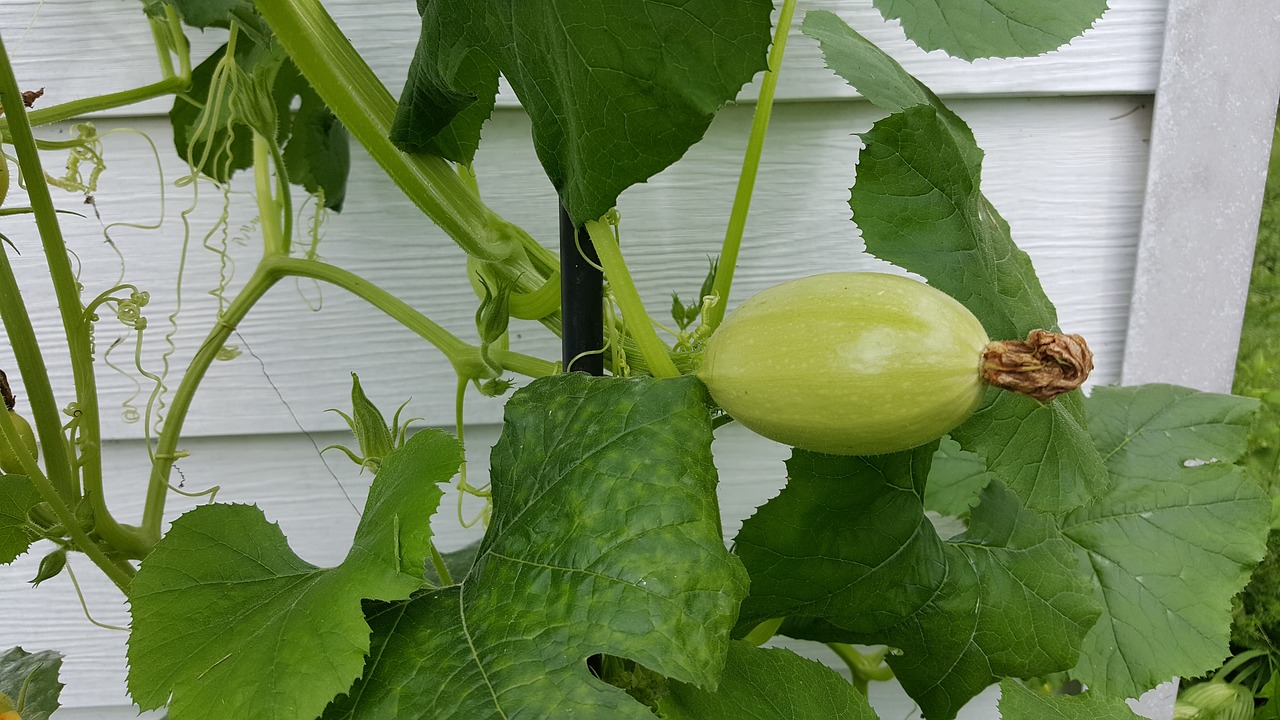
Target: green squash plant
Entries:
(1103, 540)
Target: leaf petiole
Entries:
(750, 168)
(655, 353)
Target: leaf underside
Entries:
(616, 91)
(17, 496)
(972, 29)
(1018, 702)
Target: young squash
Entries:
(10, 461)
(868, 363)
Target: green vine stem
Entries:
(437, 561)
(359, 99)
(75, 327)
(750, 168)
(166, 452)
(863, 668)
(656, 354)
(349, 87)
(119, 574)
(272, 210)
(465, 358)
(170, 85)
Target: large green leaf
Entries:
(918, 203)
(1017, 702)
(846, 540)
(229, 622)
(617, 89)
(845, 554)
(17, 496)
(30, 681)
(768, 684)
(605, 538)
(972, 29)
(1173, 539)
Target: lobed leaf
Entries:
(30, 681)
(1018, 702)
(768, 684)
(918, 203)
(972, 29)
(845, 554)
(605, 538)
(229, 622)
(1172, 540)
(17, 496)
(617, 91)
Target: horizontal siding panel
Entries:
(79, 48)
(1067, 174)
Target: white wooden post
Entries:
(1211, 133)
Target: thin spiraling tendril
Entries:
(130, 413)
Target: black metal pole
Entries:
(581, 300)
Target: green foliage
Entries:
(918, 203)
(223, 602)
(846, 553)
(768, 684)
(602, 587)
(1176, 503)
(17, 497)
(230, 99)
(615, 96)
(972, 29)
(1258, 364)
(1018, 702)
(605, 537)
(30, 681)
(955, 480)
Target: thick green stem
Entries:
(274, 239)
(349, 87)
(638, 323)
(750, 168)
(863, 668)
(120, 573)
(465, 358)
(98, 103)
(167, 445)
(76, 328)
